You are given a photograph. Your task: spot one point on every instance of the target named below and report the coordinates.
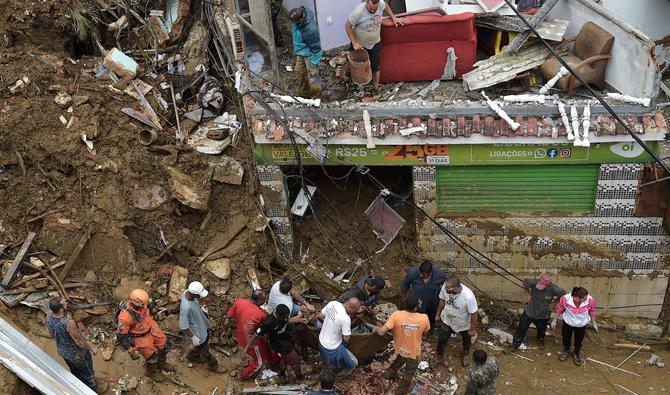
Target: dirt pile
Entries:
(71, 163)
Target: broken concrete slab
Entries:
(504, 66)
(203, 144)
(227, 170)
(187, 190)
(233, 226)
(178, 283)
(219, 267)
(645, 330)
(149, 197)
(121, 64)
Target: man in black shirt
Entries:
(275, 327)
(368, 291)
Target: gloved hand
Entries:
(595, 325)
(134, 355)
(553, 324)
(196, 341)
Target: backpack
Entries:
(123, 307)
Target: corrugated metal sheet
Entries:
(36, 367)
(516, 189)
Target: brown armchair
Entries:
(588, 58)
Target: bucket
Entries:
(147, 136)
(359, 66)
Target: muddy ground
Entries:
(52, 184)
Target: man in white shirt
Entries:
(282, 293)
(458, 313)
(364, 30)
(335, 334)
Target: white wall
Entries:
(331, 16)
(650, 16)
(631, 69)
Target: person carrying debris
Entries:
(248, 316)
(542, 296)
(483, 374)
(364, 30)
(308, 53)
(282, 293)
(578, 309)
(425, 281)
(326, 383)
(140, 335)
(278, 331)
(408, 328)
(458, 313)
(72, 344)
(335, 334)
(368, 291)
(195, 324)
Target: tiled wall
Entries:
(276, 208)
(630, 252)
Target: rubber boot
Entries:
(154, 372)
(164, 365)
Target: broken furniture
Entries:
(589, 57)
(417, 51)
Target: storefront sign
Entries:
(459, 155)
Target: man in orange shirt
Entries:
(139, 334)
(408, 328)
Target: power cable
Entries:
(591, 90)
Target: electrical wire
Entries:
(591, 90)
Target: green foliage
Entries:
(83, 19)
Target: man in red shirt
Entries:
(248, 316)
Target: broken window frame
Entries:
(270, 43)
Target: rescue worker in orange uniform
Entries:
(139, 334)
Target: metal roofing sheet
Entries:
(34, 366)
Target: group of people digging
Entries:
(265, 328)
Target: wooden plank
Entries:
(18, 260)
(49, 288)
(75, 254)
(25, 279)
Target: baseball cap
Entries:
(543, 282)
(377, 282)
(196, 288)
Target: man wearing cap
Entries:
(542, 296)
(368, 291)
(194, 323)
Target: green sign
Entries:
(461, 155)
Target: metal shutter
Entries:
(516, 189)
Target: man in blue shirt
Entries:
(308, 53)
(425, 282)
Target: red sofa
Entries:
(417, 51)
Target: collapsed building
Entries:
(546, 187)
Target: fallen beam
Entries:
(25, 279)
(18, 260)
(75, 254)
(50, 288)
